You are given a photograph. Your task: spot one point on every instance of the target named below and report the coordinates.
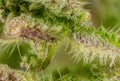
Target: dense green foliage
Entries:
(53, 40)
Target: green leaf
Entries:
(12, 51)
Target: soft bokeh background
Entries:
(105, 12)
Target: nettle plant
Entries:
(34, 34)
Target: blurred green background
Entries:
(105, 12)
